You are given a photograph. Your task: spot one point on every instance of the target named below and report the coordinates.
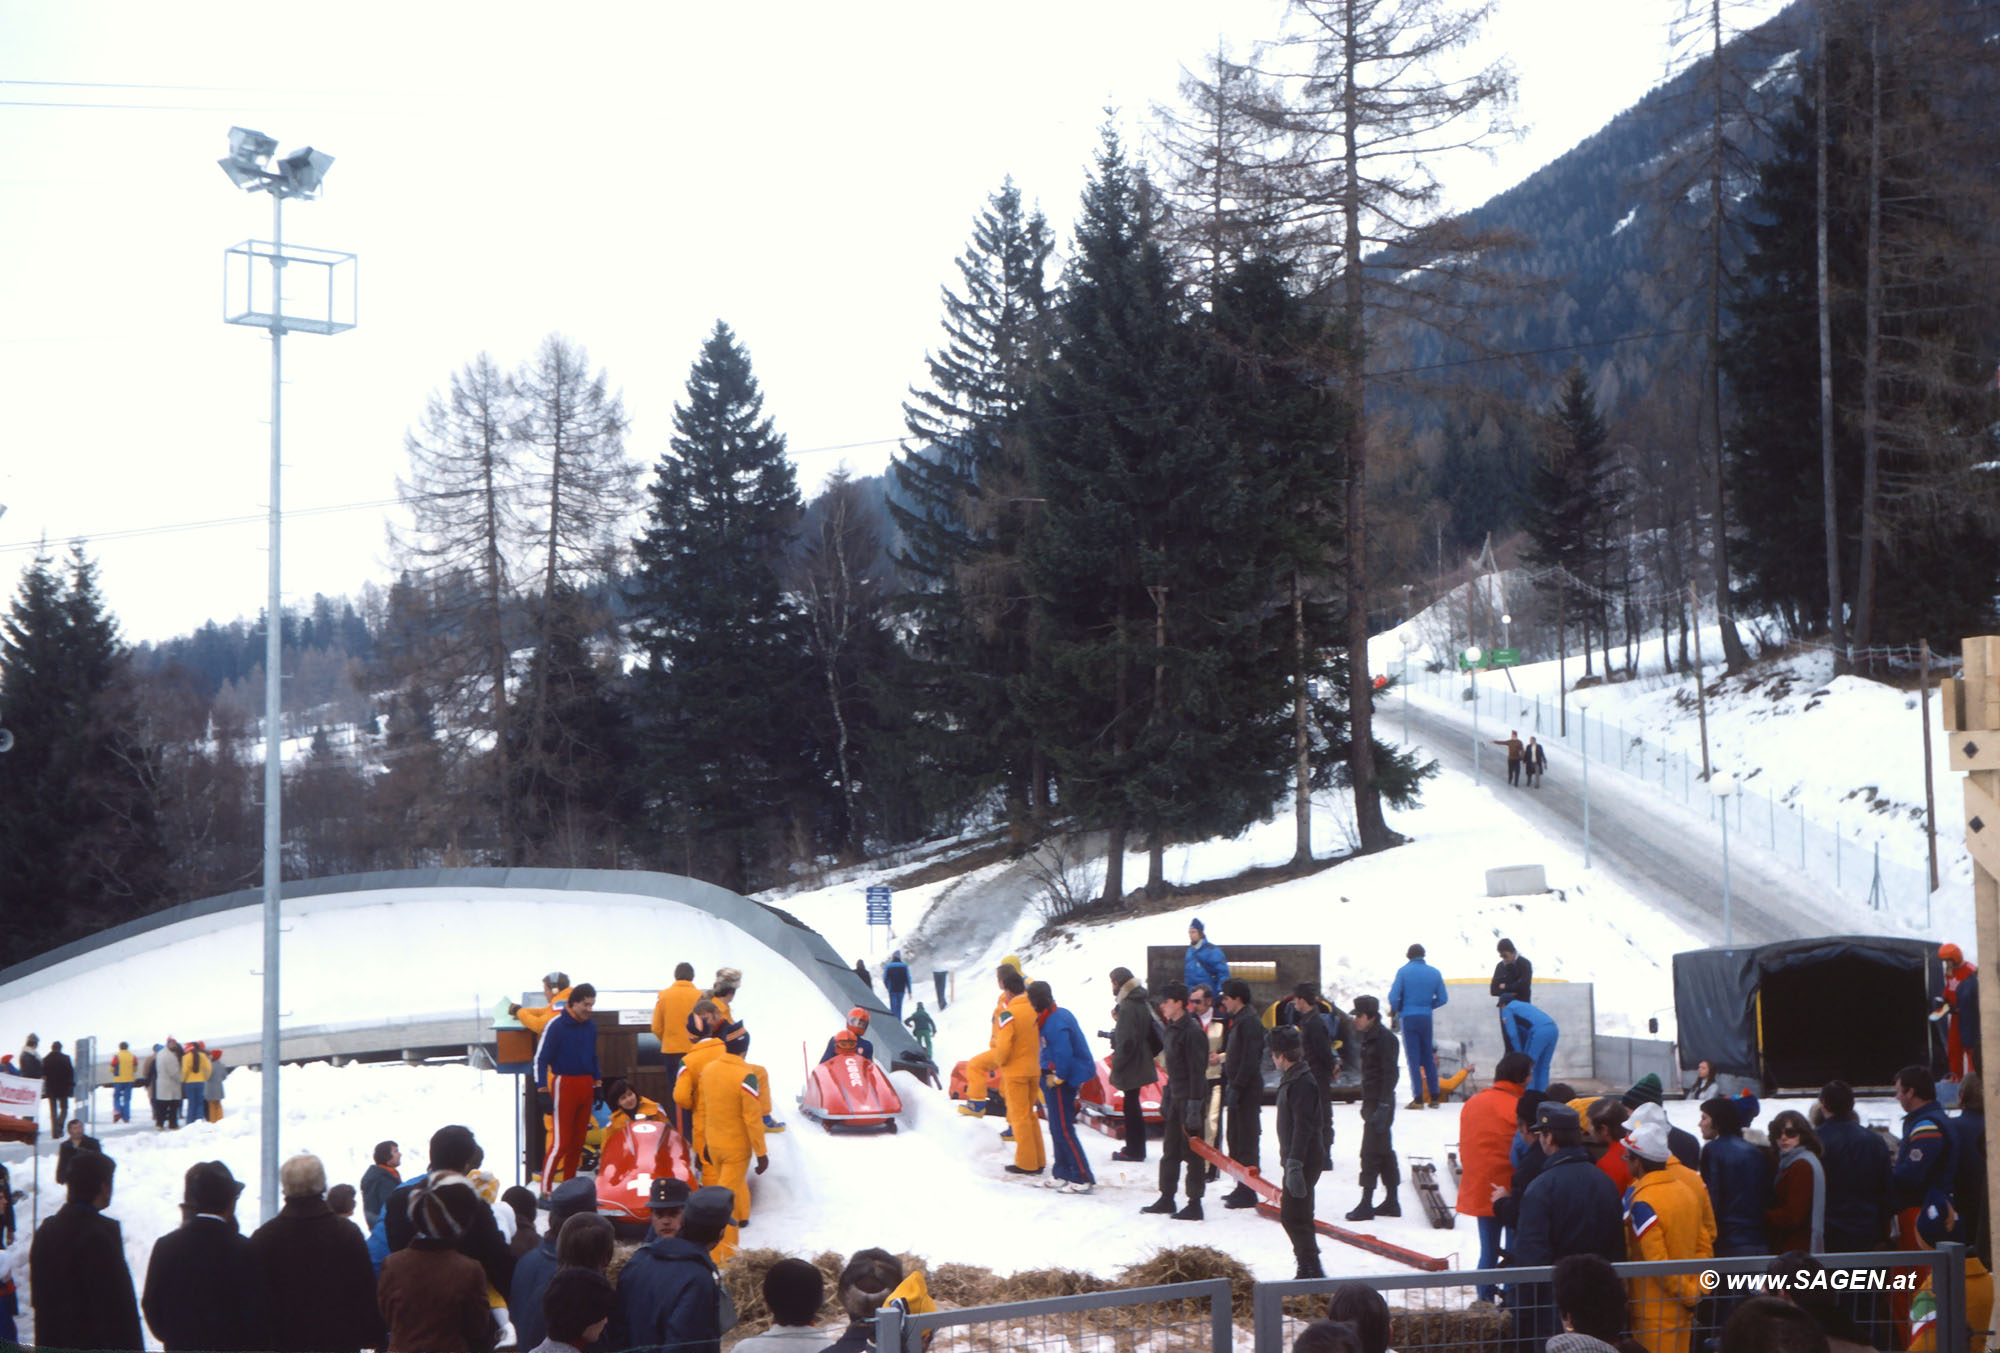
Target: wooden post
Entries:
(1971, 718)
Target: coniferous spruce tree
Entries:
(1569, 509)
(722, 695)
(968, 510)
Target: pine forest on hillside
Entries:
(1164, 473)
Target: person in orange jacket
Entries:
(1486, 1127)
(670, 1023)
(1662, 1221)
(1017, 1049)
(535, 1018)
(687, 1087)
(1956, 970)
(732, 1130)
(728, 981)
(982, 1095)
(628, 1106)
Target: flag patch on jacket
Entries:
(1006, 1018)
(1642, 1217)
(750, 1085)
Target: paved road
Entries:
(1658, 851)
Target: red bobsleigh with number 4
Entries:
(1103, 1104)
(632, 1157)
(849, 1093)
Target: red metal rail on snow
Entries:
(1246, 1175)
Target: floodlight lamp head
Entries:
(243, 176)
(1473, 654)
(253, 150)
(300, 173)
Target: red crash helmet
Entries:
(1951, 953)
(857, 1018)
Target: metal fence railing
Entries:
(1829, 853)
(1192, 1317)
(1442, 1312)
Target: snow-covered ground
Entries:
(937, 1187)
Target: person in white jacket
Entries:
(167, 1084)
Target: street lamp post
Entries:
(1472, 657)
(1583, 718)
(1722, 785)
(298, 174)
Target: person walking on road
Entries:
(1186, 1057)
(1416, 993)
(1534, 761)
(1301, 1148)
(1378, 1113)
(1512, 742)
(896, 981)
(1133, 1040)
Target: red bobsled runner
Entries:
(1102, 1105)
(849, 1093)
(627, 1163)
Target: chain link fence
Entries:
(1830, 853)
(1888, 1301)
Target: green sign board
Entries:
(1498, 657)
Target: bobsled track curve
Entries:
(430, 949)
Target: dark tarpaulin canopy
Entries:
(1798, 1013)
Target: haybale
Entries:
(1188, 1264)
(1479, 1328)
(962, 1285)
(1034, 1284)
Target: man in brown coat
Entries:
(1515, 750)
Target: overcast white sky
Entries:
(625, 173)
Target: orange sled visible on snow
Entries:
(1102, 1105)
(631, 1158)
(849, 1093)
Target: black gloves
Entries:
(1295, 1178)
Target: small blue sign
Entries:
(878, 904)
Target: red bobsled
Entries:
(627, 1163)
(849, 1093)
(1102, 1105)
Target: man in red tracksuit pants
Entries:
(566, 1062)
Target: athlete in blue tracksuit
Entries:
(896, 981)
(1531, 1031)
(1418, 991)
(1067, 1067)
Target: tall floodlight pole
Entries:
(1722, 785)
(299, 174)
(1583, 720)
(1472, 657)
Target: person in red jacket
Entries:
(1956, 970)
(1485, 1145)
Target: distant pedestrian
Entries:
(167, 1083)
(924, 1027)
(195, 1068)
(1534, 762)
(72, 1143)
(379, 1180)
(432, 1296)
(861, 971)
(30, 1064)
(1378, 1113)
(1204, 964)
(193, 1267)
(579, 1306)
(896, 981)
(217, 1074)
(316, 1269)
(1531, 1030)
(76, 1269)
(58, 1086)
(1515, 749)
(149, 1076)
(124, 1072)
(939, 977)
(1414, 996)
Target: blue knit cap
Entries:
(1194, 923)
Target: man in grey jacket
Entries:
(1132, 1068)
